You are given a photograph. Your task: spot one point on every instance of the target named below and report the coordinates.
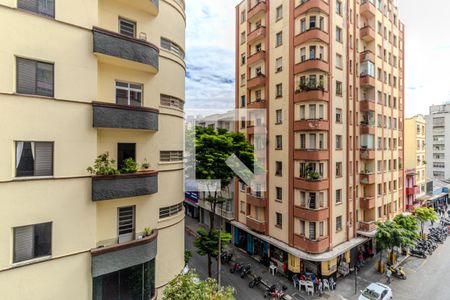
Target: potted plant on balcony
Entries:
(145, 164)
(103, 166)
(130, 166)
(147, 231)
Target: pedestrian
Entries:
(320, 288)
(389, 276)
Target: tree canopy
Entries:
(409, 224)
(425, 214)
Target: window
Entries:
(279, 219)
(338, 34)
(278, 168)
(279, 142)
(279, 90)
(171, 101)
(338, 88)
(166, 156)
(279, 118)
(302, 227)
(243, 59)
(172, 47)
(312, 22)
(128, 28)
(242, 207)
(338, 142)
(339, 7)
(243, 101)
(126, 223)
(338, 115)
(279, 193)
(125, 151)
(312, 231)
(279, 64)
(32, 241)
(279, 12)
(339, 223)
(242, 79)
(128, 93)
(42, 7)
(34, 159)
(279, 39)
(243, 16)
(168, 211)
(303, 25)
(338, 169)
(339, 64)
(34, 77)
(242, 37)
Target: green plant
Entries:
(187, 256)
(103, 165)
(424, 214)
(129, 166)
(147, 231)
(145, 164)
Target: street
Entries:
(427, 278)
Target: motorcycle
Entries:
(398, 272)
(225, 257)
(245, 270)
(236, 267)
(274, 292)
(255, 282)
(418, 253)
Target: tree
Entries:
(425, 214)
(189, 286)
(207, 244)
(409, 224)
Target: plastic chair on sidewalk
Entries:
(310, 288)
(302, 284)
(326, 284)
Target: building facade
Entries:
(438, 142)
(330, 75)
(89, 78)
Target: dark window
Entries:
(339, 223)
(278, 168)
(126, 223)
(279, 220)
(128, 93)
(125, 151)
(32, 241)
(242, 101)
(137, 283)
(43, 7)
(279, 90)
(279, 193)
(171, 156)
(34, 77)
(34, 159)
(312, 231)
(165, 212)
(127, 27)
(279, 140)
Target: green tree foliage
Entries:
(425, 214)
(409, 224)
(189, 286)
(207, 243)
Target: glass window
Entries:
(339, 223)
(32, 241)
(127, 27)
(125, 151)
(34, 159)
(128, 93)
(34, 77)
(279, 12)
(126, 223)
(43, 7)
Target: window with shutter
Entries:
(127, 27)
(168, 156)
(171, 101)
(126, 223)
(34, 159)
(32, 241)
(43, 7)
(34, 78)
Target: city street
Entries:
(427, 278)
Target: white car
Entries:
(376, 291)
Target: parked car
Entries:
(376, 291)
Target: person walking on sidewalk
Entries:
(389, 276)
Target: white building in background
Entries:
(225, 121)
(438, 142)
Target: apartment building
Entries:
(80, 79)
(330, 75)
(415, 155)
(438, 141)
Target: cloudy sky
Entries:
(210, 53)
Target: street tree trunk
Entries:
(209, 266)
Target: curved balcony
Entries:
(110, 115)
(367, 56)
(367, 81)
(367, 33)
(256, 57)
(256, 81)
(317, 246)
(314, 94)
(124, 185)
(256, 225)
(308, 5)
(313, 215)
(311, 34)
(257, 10)
(367, 154)
(367, 178)
(256, 35)
(257, 201)
(311, 65)
(367, 105)
(311, 125)
(367, 202)
(258, 104)
(366, 129)
(311, 185)
(149, 6)
(311, 154)
(117, 49)
(367, 9)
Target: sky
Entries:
(210, 44)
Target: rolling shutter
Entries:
(126, 224)
(26, 76)
(23, 243)
(43, 164)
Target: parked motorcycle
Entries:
(246, 270)
(225, 257)
(236, 267)
(255, 282)
(398, 272)
(274, 292)
(418, 253)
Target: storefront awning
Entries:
(329, 255)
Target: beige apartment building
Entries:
(330, 75)
(415, 158)
(79, 79)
